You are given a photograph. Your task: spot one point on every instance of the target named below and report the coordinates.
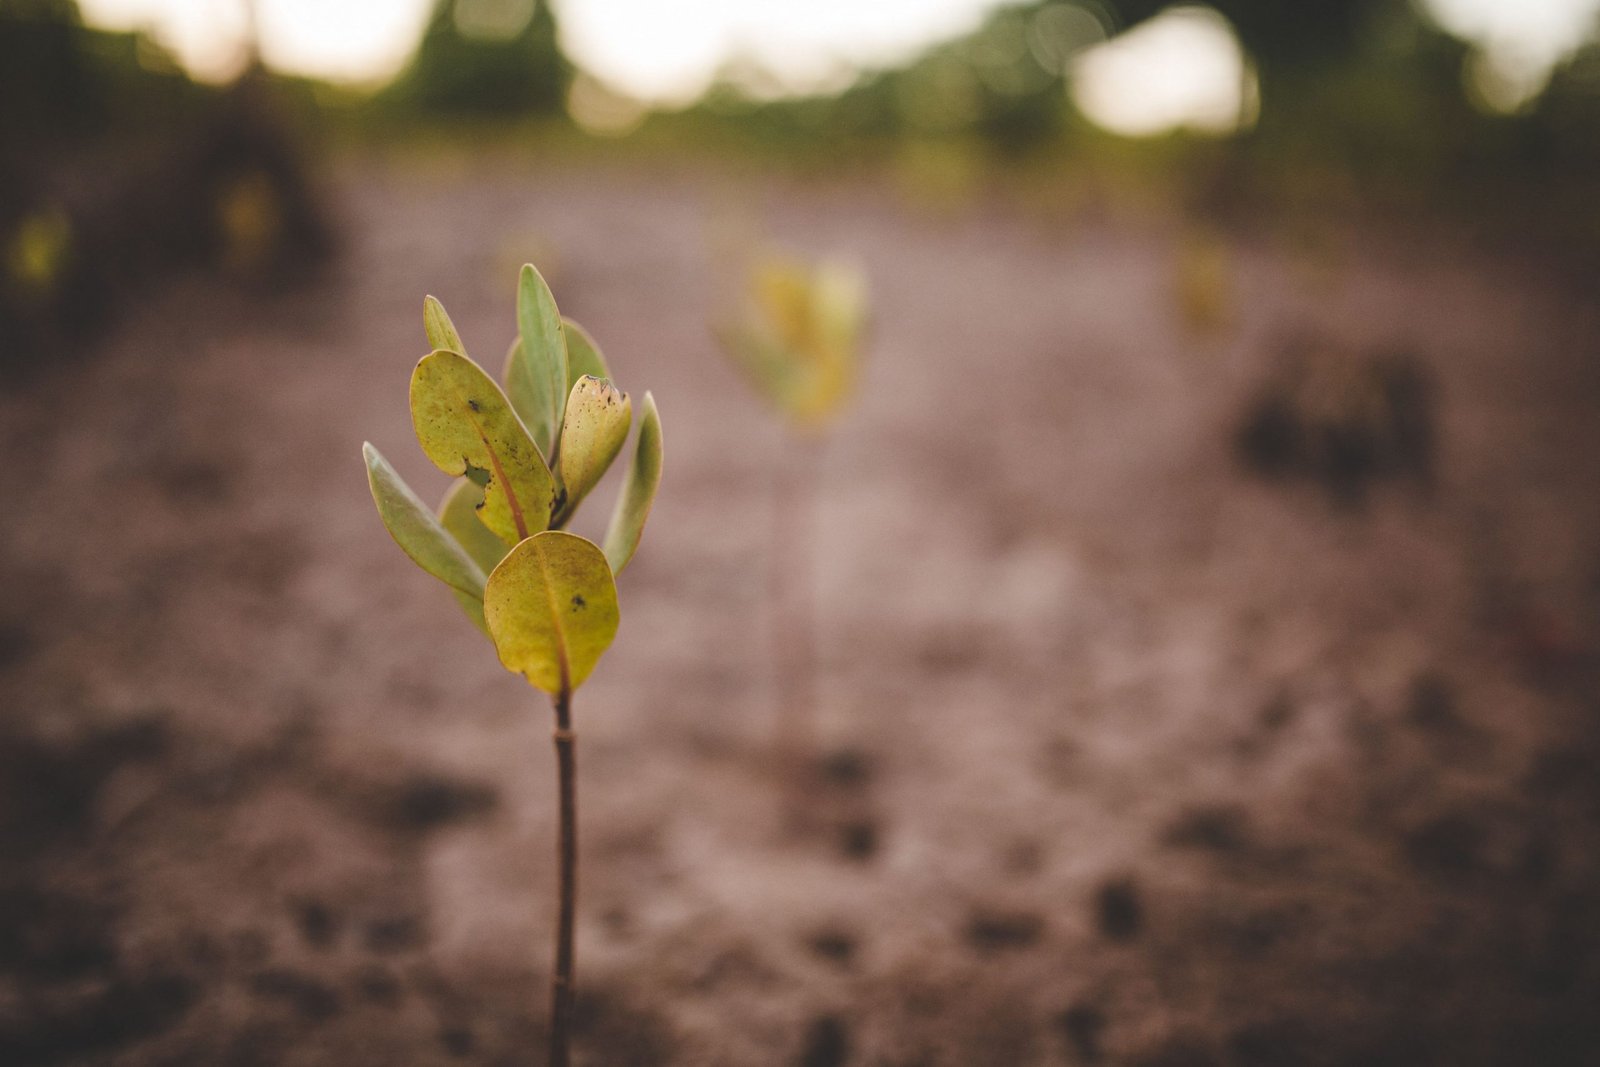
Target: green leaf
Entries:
(551, 606)
(418, 532)
(593, 432)
(441, 331)
(583, 355)
(466, 426)
(638, 490)
(458, 514)
(536, 370)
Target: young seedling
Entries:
(797, 337)
(524, 459)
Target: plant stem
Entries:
(794, 631)
(561, 981)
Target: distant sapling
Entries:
(797, 336)
(524, 459)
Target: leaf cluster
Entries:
(524, 457)
(797, 336)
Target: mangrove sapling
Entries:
(797, 337)
(524, 458)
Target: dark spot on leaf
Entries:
(473, 404)
(579, 603)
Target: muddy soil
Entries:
(1124, 754)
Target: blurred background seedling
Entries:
(524, 458)
(796, 334)
(1203, 283)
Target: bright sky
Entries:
(668, 52)
(1182, 68)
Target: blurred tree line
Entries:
(1367, 80)
(1369, 85)
(60, 78)
(485, 58)
(116, 166)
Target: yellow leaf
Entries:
(551, 606)
(595, 427)
(466, 426)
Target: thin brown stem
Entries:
(561, 981)
(793, 599)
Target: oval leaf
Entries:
(583, 355)
(536, 370)
(638, 490)
(441, 331)
(593, 432)
(466, 426)
(458, 514)
(418, 532)
(551, 606)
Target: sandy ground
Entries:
(1126, 757)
